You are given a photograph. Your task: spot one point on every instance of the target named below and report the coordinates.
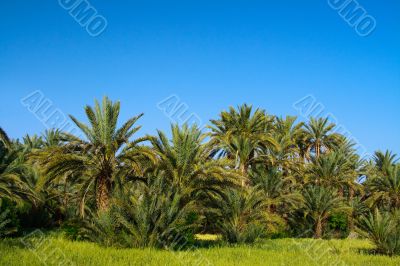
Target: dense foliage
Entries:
(249, 175)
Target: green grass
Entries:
(53, 249)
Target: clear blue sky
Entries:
(212, 54)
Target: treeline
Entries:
(248, 176)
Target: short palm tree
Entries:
(242, 215)
(319, 204)
(382, 228)
(104, 157)
(357, 208)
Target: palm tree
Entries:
(334, 170)
(278, 190)
(319, 136)
(385, 189)
(103, 158)
(357, 208)
(240, 134)
(187, 162)
(4, 139)
(382, 228)
(319, 204)
(12, 169)
(242, 215)
(384, 161)
(285, 155)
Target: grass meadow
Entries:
(56, 250)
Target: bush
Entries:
(338, 225)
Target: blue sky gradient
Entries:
(211, 54)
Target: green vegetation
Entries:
(270, 252)
(224, 192)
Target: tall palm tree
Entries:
(186, 162)
(385, 189)
(333, 170)
(239, 134)
(4, 139)
(104, 157)
(12, 170)
(287, 128)
(384, 161)
(319, 136)
(285, 154)
(278, 190)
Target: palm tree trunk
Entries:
(341, 192)
(351, 223)
(103, 194)
(318, 229)
(317, 149)
(351, 218)
(243, 171)
(351, 193)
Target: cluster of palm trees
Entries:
(249, 175)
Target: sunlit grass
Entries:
(54, 249)
(208, 237)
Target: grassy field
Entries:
(59, 251)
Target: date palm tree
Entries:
(186, 162)
(240, 134)
(12, 170)
(279, 191)
(4, 139)
(319, 136)
(334, 170)
(319, 204)
(242, 215)
(103, 157)
(384, 161)
(385, 189)
(285, 154)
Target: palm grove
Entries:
(249, 176)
